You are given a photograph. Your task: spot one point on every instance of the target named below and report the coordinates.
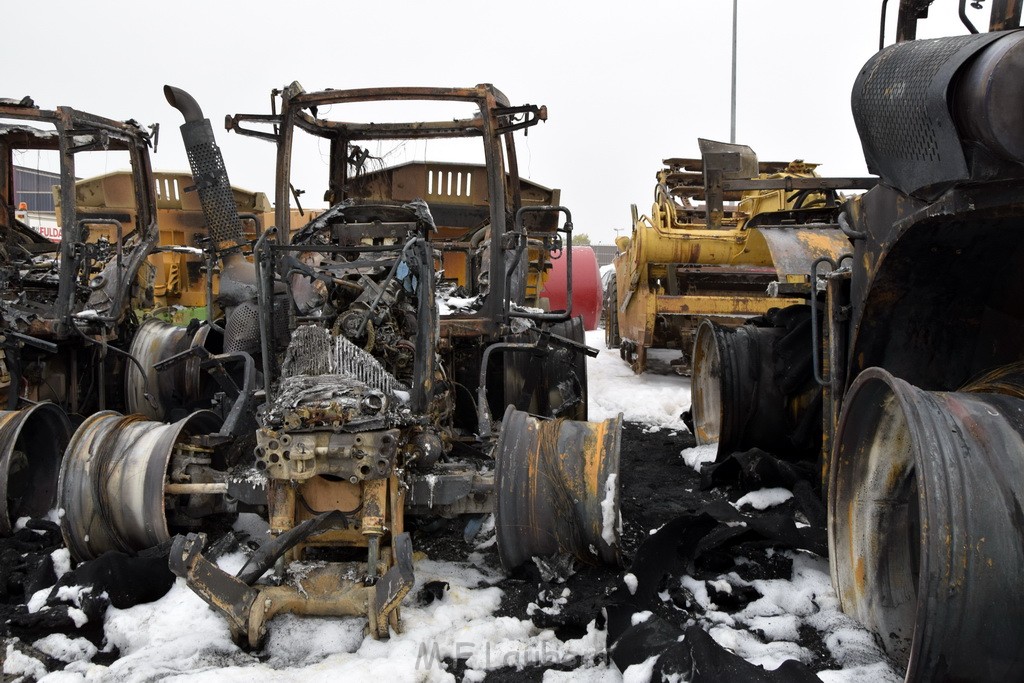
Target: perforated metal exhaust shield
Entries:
(211, 179)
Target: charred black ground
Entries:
(658, 490)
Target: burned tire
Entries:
(752, 386)
(172, 393)
(736, 403)
(113, 481)
(557, 489)
(572, 367)
(925, 531)
(32, 443)
(553, 384)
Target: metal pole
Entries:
(732, 129)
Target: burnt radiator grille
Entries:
(314, 351)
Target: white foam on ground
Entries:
(766, 631)
(640, 617)
(762, 499)
(38, 600)
(60, 646)
(640, 673)
(612, 388)
(609, 512)
(872, 673)
(17, 663)
(698, 456)
(180, 638)
(61, 561)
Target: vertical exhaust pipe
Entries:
(238, 290)
(208, 171)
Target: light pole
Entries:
(732, 129)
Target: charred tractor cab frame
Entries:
(375, 404)
(66, 309)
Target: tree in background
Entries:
(581, 239)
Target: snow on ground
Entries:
(763, 499)
(805, 600)
(656, 400)
(698, 456)
(179, 638)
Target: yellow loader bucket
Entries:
(557, 489)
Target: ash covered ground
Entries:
(724, 579)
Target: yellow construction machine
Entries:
(179, 265)
(728, 238)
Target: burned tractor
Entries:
(915, 345)
(180, 285)
(66, 308)
(365, 361)
(728, 238)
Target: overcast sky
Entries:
(627, 84)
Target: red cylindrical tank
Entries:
(586, 286)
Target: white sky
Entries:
(626, 84)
